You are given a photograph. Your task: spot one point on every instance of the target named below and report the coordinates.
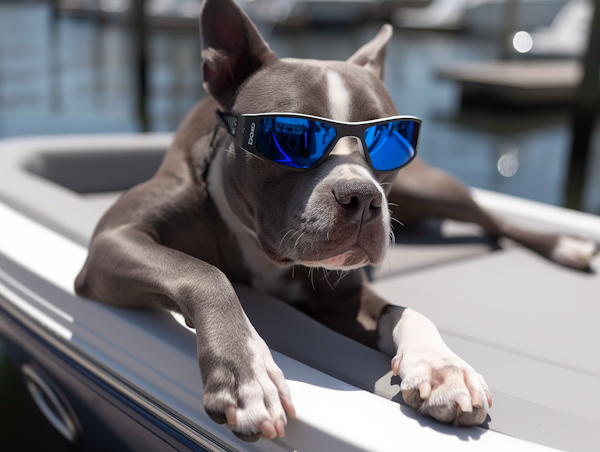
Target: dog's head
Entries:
(335, 215)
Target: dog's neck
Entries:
(265, 274)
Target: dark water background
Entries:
(77, 75)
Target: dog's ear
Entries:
(232, 49)
(372, 54)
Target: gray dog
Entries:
(214, 213)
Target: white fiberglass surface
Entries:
(332, 415)
(41, 250)
(557, 217)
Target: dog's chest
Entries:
(265, 275)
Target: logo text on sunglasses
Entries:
(251, 137)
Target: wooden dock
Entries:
(531, 83)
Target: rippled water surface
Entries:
(76, 75)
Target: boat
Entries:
(477, 17)
(567, 36)
(121, 379)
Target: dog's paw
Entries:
(443, 387)
(251, 399)
(574, 252)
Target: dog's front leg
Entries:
(435, 381)
(242, 384)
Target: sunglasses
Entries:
(302, 141)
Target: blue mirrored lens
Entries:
(392, 145)
(294, 142)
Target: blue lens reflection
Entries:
(294, 142)
(392, 145)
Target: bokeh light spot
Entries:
(522, 42)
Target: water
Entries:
(78, 76)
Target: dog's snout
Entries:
(361, 200)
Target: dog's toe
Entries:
(574, 252)
(219, 418)
(448, 390)
(252, 401)
(474, 417)
(412, 398)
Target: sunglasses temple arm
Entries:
(228, 121)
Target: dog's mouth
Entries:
(349, 260)
(352, 258)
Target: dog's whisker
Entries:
(327, 280)
(392, 204)
(280, 243)
(292, 236)
(299, 237)
(397, 221)
(342, 274)
(312, 281)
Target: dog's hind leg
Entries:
(421, 191)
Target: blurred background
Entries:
(499, 84)
(494, 80)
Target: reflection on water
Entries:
(78, 76)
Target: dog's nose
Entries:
(360, 200)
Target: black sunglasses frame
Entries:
(244, 129)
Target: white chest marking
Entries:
(266, 276)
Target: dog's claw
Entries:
(279, 428)
(396, 361)
(477, 400)
(463, 402)
(288, 406)
(230, 414)
(268, 429)
(425, 390)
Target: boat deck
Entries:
(527, 324)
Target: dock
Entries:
(518, 83)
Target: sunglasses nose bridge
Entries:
(342, 146)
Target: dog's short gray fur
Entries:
(213, 214)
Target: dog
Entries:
(216, 213)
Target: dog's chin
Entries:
(350, 260)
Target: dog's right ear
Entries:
(372, 55)
(232, 49)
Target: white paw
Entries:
(442, 386)
(574, 252)
(251, 401)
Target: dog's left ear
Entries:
(372, 54)
(232, 49)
